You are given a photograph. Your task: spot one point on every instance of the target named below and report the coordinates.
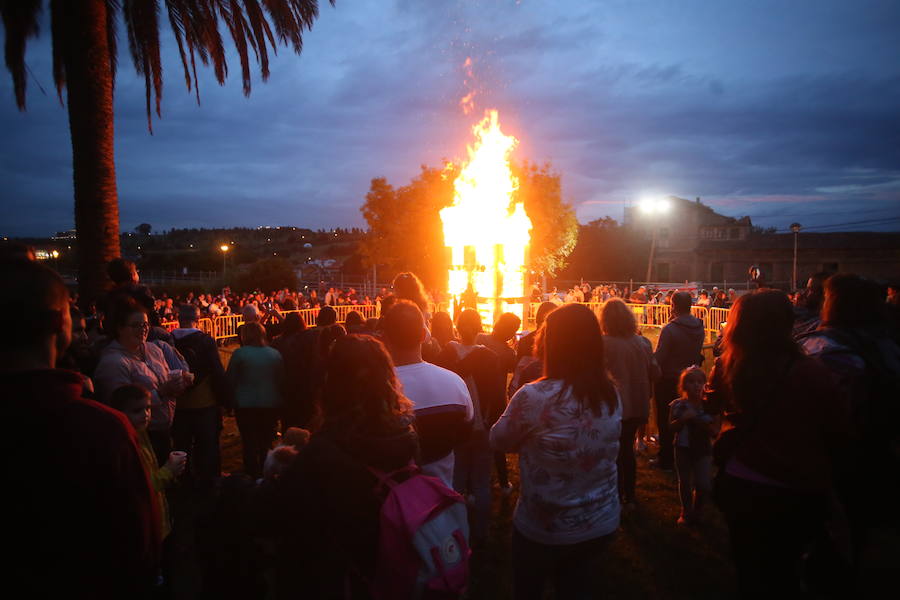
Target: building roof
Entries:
(851, 240)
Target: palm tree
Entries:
(84, 35)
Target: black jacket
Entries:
(330, 512)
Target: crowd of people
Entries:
(642, 294)
(349, 429)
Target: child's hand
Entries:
(176, 463)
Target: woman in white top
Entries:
(565, 428)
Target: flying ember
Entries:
(486, 228)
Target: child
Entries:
(693, 429)
(280, 458)
(134, 402)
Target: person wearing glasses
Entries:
(130, 359)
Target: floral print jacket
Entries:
(567, 463)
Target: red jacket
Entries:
(81, 523)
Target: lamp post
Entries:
(795, 227)
(653, 207)
(224, 248)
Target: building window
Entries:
(733, 233)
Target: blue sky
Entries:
(783, 111)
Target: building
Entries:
(695, 243)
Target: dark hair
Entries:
(543, 310)
(573, 352)
(617, 319)
(293, 323)
(253, 334)
(188, 313)
(120, 270)
(408, 287)
(469, 322)
(403, 325)
(682, 302)
(851, 301)
(328, 336)
(758, 345)
(327, 316)
(442, 327)
(122, 309)
(126, 395)
(507, 325)
(29, 295)
(361, 392)
(353, 319)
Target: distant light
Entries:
(224, 247)
(55, 254)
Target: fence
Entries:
(647, 315)
(655, 315)
(225, 327)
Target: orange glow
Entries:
(467, 102)
(486, 229)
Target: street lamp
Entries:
(224, 248)
(653, 207)
(795, 227)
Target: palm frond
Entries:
(20, 21)
(112, 37)
(142, 24)
(58, 32)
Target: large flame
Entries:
(485, 228)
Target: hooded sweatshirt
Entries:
(680, 345)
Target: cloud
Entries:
(622, 98)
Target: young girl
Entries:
(134, 402)
(694, 431)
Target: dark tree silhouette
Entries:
(85, 40)
(144, 228)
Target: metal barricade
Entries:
(207, 326)
(717, 316)
(226, 326)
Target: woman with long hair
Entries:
(629, 358)
(783, 425)
(565, 428)
(330, 513)
(409, 287)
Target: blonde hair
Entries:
(689, 372)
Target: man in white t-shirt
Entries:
(440, 398)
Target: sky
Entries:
(783, 111)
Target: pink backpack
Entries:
(423, 548)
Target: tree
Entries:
(607, 251)
(267, 275)
(84, 36)
(405, 229)
(144, 228)
(406, 232)
(554, 227)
